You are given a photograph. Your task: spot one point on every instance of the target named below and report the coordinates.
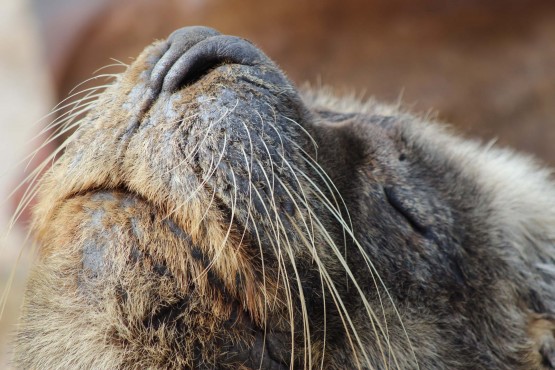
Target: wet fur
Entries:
(235, 223)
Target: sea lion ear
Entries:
(542, 332)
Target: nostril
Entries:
(178, 43)
(210, 53)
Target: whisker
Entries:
(118, 63)
(207, 131)
(248, 166)
(373, 271)
(316, 258)
(289, 251)
(333, 190)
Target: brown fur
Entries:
(218, 219)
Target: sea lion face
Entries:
(206, 215)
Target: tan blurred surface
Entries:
(24, 99)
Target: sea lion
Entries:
(206, 214)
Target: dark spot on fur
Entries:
(217, 283)
(197, 254)
(135, 255)
(239, 281)
(167, 314)
(161, 269)
(178, 231)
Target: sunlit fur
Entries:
(237, 223)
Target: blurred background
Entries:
(485, 66)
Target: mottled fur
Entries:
(228, 222)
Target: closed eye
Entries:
(397, 204)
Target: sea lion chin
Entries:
(206, 214)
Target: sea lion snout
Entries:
(192, 51)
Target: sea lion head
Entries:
(206, 214)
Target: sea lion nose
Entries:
(178, 43)
(194, 50)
